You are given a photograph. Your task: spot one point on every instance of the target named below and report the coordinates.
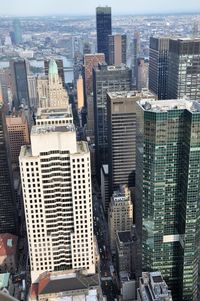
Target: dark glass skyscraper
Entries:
(19, 83)
(158, 66)
(167, 191)
(104, 29)
(106, 79)
(7, 204)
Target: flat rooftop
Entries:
(131, 94)
(153, 105)
(124, 236)
(54, 113)
(37, 129)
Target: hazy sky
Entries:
(78, 7)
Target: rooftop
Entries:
(4, 279)
(124, 236)
(8, 244)
(53, 113)
(50, 284)
(155, 106)
(130, 94)
(41, 130)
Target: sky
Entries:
(87, 7)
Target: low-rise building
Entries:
(8, 252)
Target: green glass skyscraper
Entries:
(168, 191)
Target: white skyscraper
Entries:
(56, 181)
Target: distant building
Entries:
(8, 253)
(32, 90)
(80, 93)
(105, 187)
(142, 73)
(69, 285)
(50, 89)
(104, 29)
(152, 287)
(17, 32)
(158, 67)
(18, 135)
(19, 83)
(90, 61)
(135, 55)
(106, 79)
(117, 49)
(59, 63)
(89, 128)
(120, 214)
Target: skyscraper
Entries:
(17, 32)
(158, 66)
(106, 79)
(90, 61)
(56, 179)
(60, 66)
(104, 29)
(142, 73)
(8, 222)
(184, 68)
(121, 118)
(167, 191)
(136, 53)
(50, 89)
(19, 83)
(117, 49)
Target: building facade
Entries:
(59, 216)
(117, 49)
(158, 66)
(8, 223)
(106, 79)
(167, 185)
(104, 29)
(120, 214)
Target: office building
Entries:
(120, 214)
(19, 83)
(80, 93)
(17, 32)
(117, 49)
(50, 89)
(121, 112)
(142, 73)
(184, 68)
(17, 135)
(152, 287)
(60, 66)
(158, 66)
(106, 79)
(167, 185)
(136, 54)
(32, 90)
(56, 179)
(105, 187)
(104, 29)
(8, 222)
(124, 245)
(90, 61)
(89, 127)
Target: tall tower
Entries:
(60, 66)
(158, 66)
(104, 29)
(17, 32)
(106, 79)
(167, 191)
(8, 222)
(19, 83)
(117, 49)
(56, 180)
(184, 68)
